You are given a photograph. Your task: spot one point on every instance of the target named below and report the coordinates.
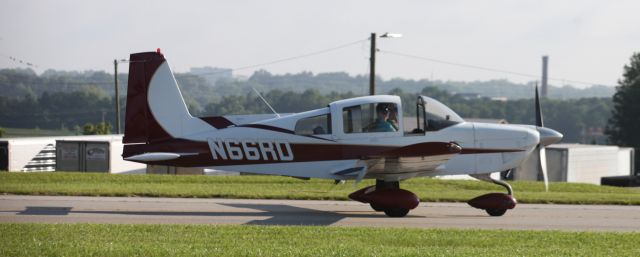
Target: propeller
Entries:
(542, 165)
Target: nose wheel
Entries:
(495, 204)
(496, 212)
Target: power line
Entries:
(288, 58)
(486, 68)
(301, 56)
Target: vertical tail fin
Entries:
(155, 110)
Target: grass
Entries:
(23, 132)
(275, 187)
(243, 240)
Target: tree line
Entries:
(21, 82)
(70, 100)
(60, 110)
(73, 110)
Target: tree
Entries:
(624, 123)
(1, 132)
(102, 128)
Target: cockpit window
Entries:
(436, 115)
(316, 125)
(369, 118)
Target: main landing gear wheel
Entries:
(387, 197)
(496, 212)
(396, 212)
(376, 207)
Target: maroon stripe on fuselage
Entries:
(481, 150)
(281, 130)
(267, 127)
(218, 122)
(301, 152)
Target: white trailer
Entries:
(41, 154)
(27, 154)
(579, 163)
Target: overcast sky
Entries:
(586, 40)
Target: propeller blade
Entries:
(543, 166)
(542, 152)
(539, 122)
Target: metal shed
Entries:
(100, 154)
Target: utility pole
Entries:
(115, 76)
(372, 66)
(545, 66)
(372, 60)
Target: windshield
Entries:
(438, 115)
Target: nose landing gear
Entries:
(495, 204)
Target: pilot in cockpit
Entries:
(382, 124)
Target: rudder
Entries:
(140, 126)
(156, 110)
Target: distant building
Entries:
(498, 99)
(594, 135)
(211, 74)
(468, 96)
(242, 78)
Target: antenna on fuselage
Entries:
(267, 103)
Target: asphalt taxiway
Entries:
(142, 210)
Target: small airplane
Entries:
(350, 139)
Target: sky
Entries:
(586, 41)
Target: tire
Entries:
(396, 212)
(496, 212)
(376, 207)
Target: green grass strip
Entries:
(244, 240)
(276, 187)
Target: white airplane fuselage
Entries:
(508, 147)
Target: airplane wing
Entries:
(416, 158)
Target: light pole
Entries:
(115, 79)
(372, 60)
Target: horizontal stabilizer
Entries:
(150, 157)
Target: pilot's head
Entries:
(383, 110)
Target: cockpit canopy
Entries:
(360, 116)
(433, 115)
